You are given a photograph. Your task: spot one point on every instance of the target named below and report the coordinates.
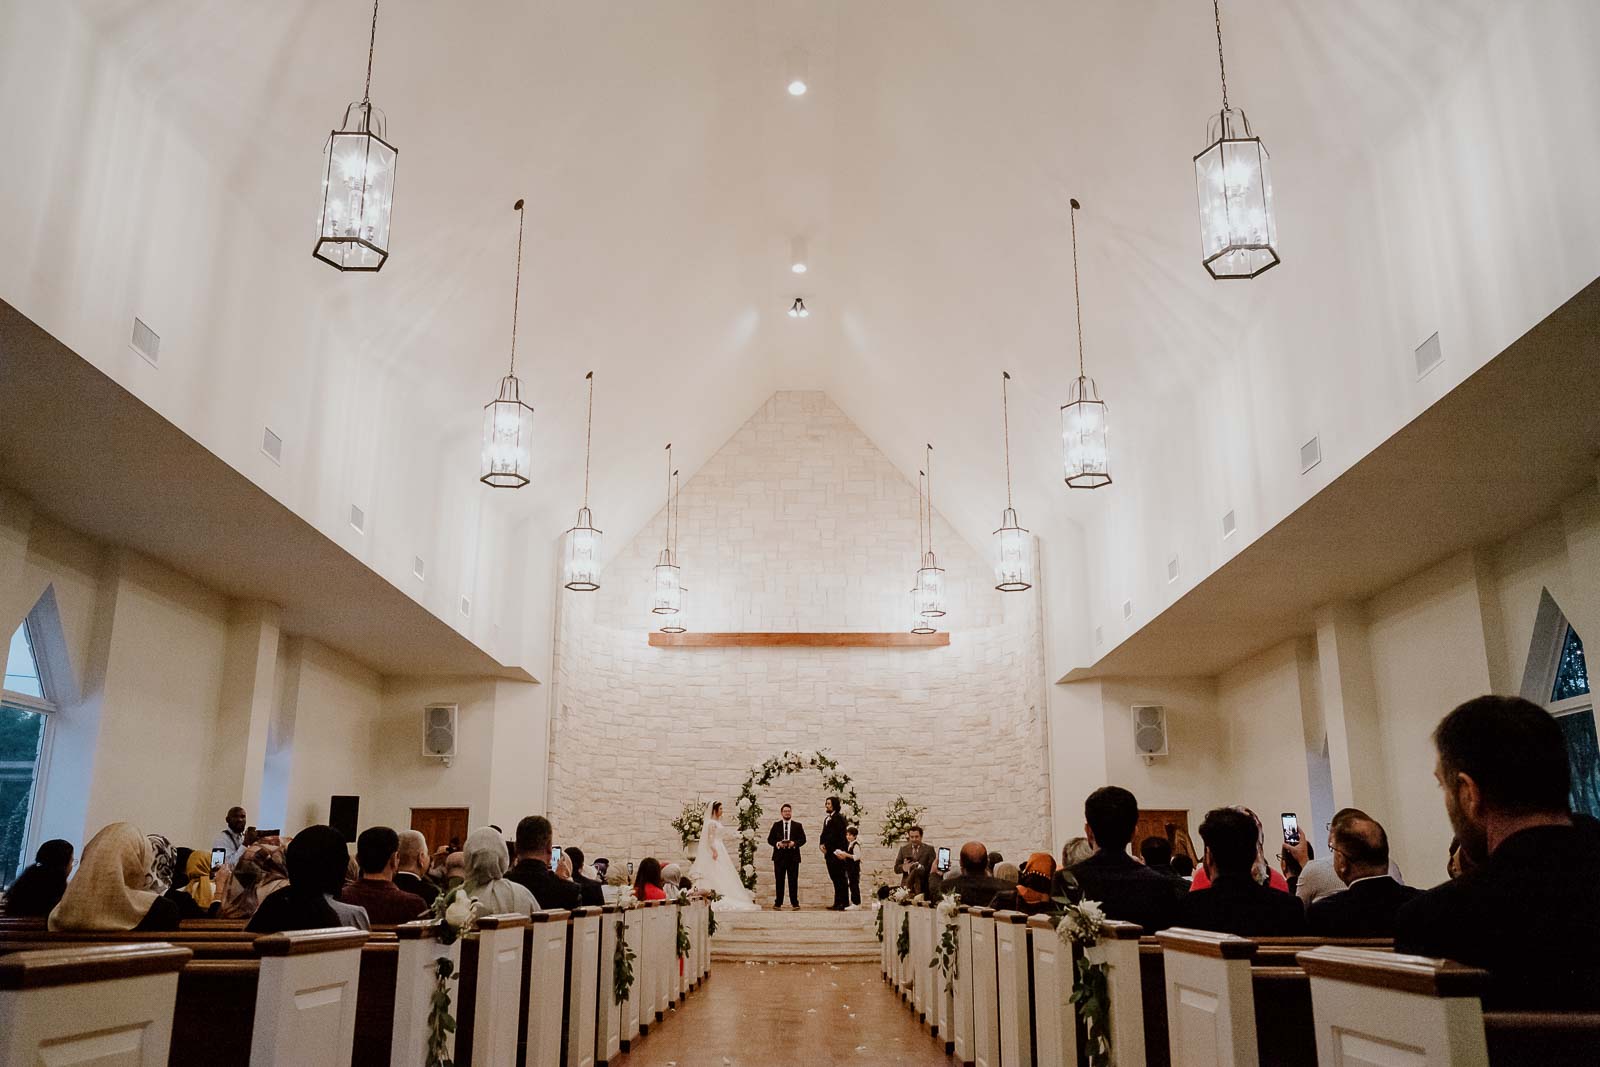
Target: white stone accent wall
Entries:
(799, 523)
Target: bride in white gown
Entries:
(715, 867)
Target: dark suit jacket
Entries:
(589, 890)
(833, 833)
(797, 834)
(1235, 904)
(1528, 916)
(548, 889)
(975, 890)
(1366, 909)
(423, 888)
(1129, 891)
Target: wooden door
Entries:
(441, 826)
(1172, 824)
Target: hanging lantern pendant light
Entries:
(507, 421)
(677, 622)
(582, 563)
(1013, 562)
(919, 623)
(1238, 227)
(666, 597)
(357, 184)
(1085, 451)
(930, 577)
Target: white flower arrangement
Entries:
(901, 895)
(744, 802)
(1081, 923)
(948, 906)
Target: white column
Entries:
(1349, 694)
(985, 992)
(1380, 1008)
(306, 998)
(249, 679)
(1014, 1002)
(1211, 1014)
(415, 978)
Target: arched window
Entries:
(1557, 676)
(25, 706)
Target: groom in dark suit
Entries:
(833, 840)
(787, 838)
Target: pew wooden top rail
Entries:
(1389, 970)
(302, 942)
(89, 963)
(1206, 943)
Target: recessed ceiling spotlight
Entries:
(797, 310)
(797, 72)
(797, 255)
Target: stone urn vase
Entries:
(691, 850)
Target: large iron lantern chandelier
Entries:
(1238, 232)
(507, 421)
(920, 624)
(582, 562)
(930, 576)
(1084, 451)
(668, 593)
(357, 184)
(1013, 562)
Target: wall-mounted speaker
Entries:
(439, 731)
(1150, 730)
(342, 816)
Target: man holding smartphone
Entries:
(230, 840)
(914, 861)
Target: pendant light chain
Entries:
(669, 503)
(929, 464)
(1216, 10)
(1077, 298)
(922, 544)
(516, 295)
(677, 519)
(372, 44)
(1005, 420)
(588, 438)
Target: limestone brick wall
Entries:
(798, 523)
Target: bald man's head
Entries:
(1360, 848)
(974, 858)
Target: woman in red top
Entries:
(647, 883)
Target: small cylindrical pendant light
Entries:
(665, 598)
(582, 564)
(1085, 452)
(679, 622)
(1013, 560)
(507, 421)
(795, 67)
(920, 624)
(358, 184)
(799, 263)
(930, 576)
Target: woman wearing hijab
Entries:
(647, 883)
(1261, 870)
(112, 889)
(39, 888)
(259, 873)
(315, 860)
(671, 881)
(487, 863)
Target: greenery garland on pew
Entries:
(835, 782)
(878, 923)
(683, 934)
(622, 959)
(944, 957)
(712, 896)
(902, 944)
(457, 916)
(1079, 926)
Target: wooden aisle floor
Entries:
(789, 1015)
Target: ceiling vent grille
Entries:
(146, 342)
(1229, 524)
(1428, 355)
(466, 607)
(1172, 569)
(358, 519)
(1127, 609)
(272, 445)
(1310, 454)
(1099, 638)
(419, 568)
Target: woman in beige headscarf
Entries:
(111, 889)
(260, 873)
(487, 863)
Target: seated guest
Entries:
(1075, 851)
(231, 838)
(995, 860)
(915, 862)
(259, 874)
(112, 889)
(197, 890)
(588, 885)
(378, 855)
(1526, 911)
(1361, 860)
(39, 888)
(1157, 855)
(1007, 874)
(602, 867)
(974, 886)
(1126, 889)
(315, 861)
(1234, 902)
(671, 875)
(486, 878)
(1183, 866)
(1317, 878)
(1262, 871)
(411, 866)
(169, 876)
(455, 869)
(647, 883)
(553, 889)
(1031, 894)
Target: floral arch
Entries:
(834, 781)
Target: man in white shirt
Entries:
(231, 840)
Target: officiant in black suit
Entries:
(787, 838)
(833, 840)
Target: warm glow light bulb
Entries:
(797, 88)
(804, 313)
(798, 268)
(794, 313)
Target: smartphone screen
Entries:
(1291, 828)
(944, 859)
(555, 857)
(218, 857)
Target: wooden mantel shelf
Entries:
(799, 640)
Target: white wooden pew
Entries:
(922, 971)
(678, 969)
(545, 943)
(632, 1020)
(1211, 1019)
(1382, 1008)
(415, 977)
(1119, 949)
(885, 939)
(663, 952)
(306, 998)
(1013, 998)
(607, 1012)
(491, 975)
(1055, 1033)
(961, 1002)
(90, 1004)
(985, 991)
(705, 941)
(943, 1015)
(582, 1000)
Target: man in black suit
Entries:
(1235, 903)
(1126, 889)
(1361, 860)
(974, 886)
(591, 893)
(833, 840)
(787, 838)
(1526, 910)
(532, 869)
